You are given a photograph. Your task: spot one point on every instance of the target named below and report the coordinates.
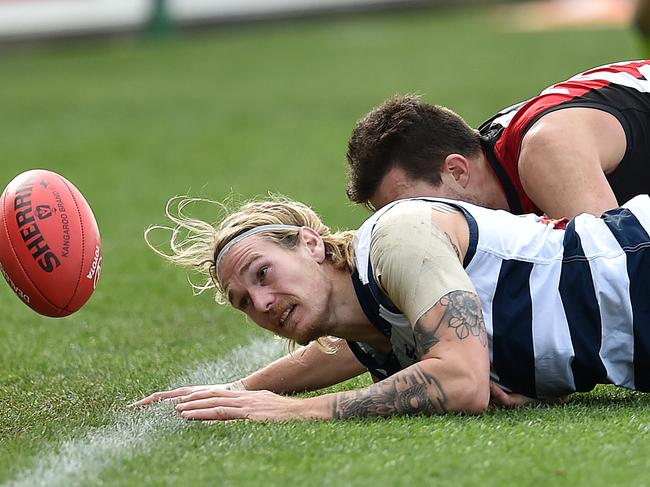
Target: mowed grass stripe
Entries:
(82, 460)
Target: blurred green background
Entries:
(250, 108)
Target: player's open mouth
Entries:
(286, 314)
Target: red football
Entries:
(50, 251)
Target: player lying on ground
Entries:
(581, 146)
(434, 298)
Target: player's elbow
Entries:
(472, 396)
(459, 384)
(476, 399)
(479, 403)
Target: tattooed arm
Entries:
(416, 253)
(453, 375)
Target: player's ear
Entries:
(458, 167)
(313, 242)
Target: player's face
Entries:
(283, 290)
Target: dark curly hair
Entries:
(411, 134)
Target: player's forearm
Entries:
(307, 369)
(424, 388)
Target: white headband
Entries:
(246, 234)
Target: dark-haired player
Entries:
(582, 145)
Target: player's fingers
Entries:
(210, 392)
(209, 403)
(498, 396)
(513, 400)
(151, 398)
(215, 414)
(520, 400)
(176, 398)
(160, 395)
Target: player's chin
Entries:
(303, 327)
(298, 337)
(305, 335)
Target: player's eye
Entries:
(262, 273)
(244, 303)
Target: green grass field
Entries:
(251, 109)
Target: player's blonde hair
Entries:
(195, 243)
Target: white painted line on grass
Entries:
(80, 461)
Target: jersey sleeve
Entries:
(414, 262)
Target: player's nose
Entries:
(262, 299)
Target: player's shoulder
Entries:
(409, 217)
(413, 209)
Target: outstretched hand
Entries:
(223, 405)
(174, 395)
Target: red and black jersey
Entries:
(622, 89)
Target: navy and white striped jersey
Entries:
(565, 309)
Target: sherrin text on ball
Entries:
(50, 248)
